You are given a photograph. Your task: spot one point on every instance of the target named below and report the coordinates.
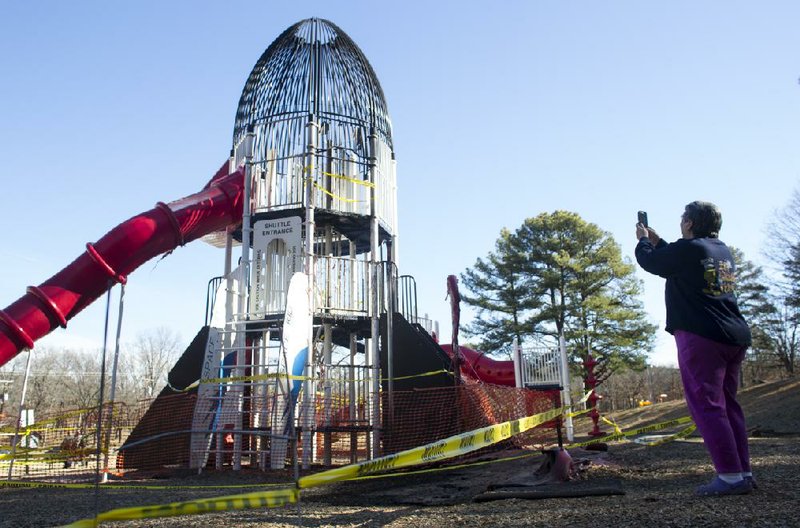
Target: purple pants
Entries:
(710, 374)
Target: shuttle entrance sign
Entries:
(277, 255)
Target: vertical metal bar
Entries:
(327, 346)
(264, 390)
(366, 395)
(241, 336)
(375, 308)
(562, 346)
(326, 388)
(227, 342)
(113, 383)
(99, 434)
(312, 130)
(395, 227)
(247, 228)
(392, 292)
(353, 409)
(19, 413)
(353, 275)
(328, 179)
(228, 287)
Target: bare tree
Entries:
(79, 375)
(127, 382)
(625, 389)
(11, 376)
(777, 337)
(150, 359)
(45, 385)
(783, 236)
(68, 379)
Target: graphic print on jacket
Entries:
(720, 276)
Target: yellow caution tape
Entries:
(262, 499)
(117, 486)
(33, 428)
(348, 178)
(54, 456)
(258, 377)
(263, 377)
(29, 484)
(234, 379)
(578, 413)
(680, 434)
(583, 399)
(659, 426)
(336, 196)
(189, 387)
(440, 450)
(310, 168)
(26, 450)
(38, 425)
(612, 424)
(448, 468)
(431, 373)
(450, 447)
(641, 430)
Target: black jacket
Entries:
(701, 278)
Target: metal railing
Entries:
(343, 285)
(541, 366)
(340, 185)
(211, 297)
(407, 297)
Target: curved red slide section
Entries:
(479, 367)
(117, 254)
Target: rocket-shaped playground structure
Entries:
(307, 196)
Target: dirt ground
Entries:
(657, 485)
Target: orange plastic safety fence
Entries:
(162, 433)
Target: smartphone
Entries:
(643, 218)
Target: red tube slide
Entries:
(477, 366)
(117, 254)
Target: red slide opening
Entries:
(112, 258)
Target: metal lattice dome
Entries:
(315, 68)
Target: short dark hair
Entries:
(706, 219)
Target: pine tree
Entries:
(569, 277)
(773, 317)
(791, 271)
(499, 296)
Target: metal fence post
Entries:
(565, 384)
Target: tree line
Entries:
(63, 379)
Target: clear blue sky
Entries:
(501, 111)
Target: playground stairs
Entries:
(226, 409)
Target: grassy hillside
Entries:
(770, 409)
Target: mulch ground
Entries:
(657, 482)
